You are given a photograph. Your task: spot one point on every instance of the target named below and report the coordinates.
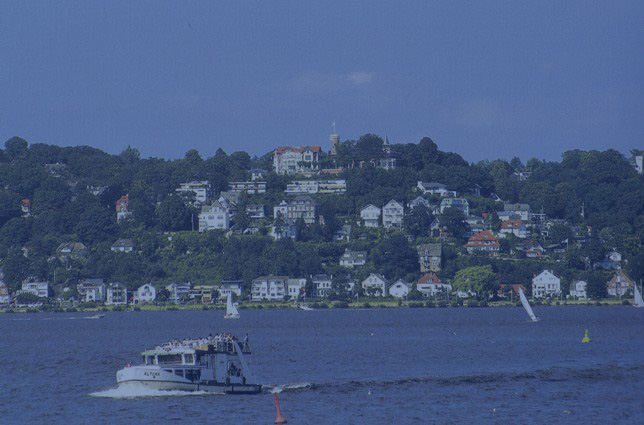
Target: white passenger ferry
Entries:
(214, 364)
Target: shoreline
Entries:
(316, 305)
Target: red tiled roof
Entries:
(511, 224)
(429, 278)
(123, 200)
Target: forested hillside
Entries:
(58, 184)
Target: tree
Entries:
(419, 221)
(16, 148)
(174, 215)
(394, 257)
(478, 279)
(27, 298)
(454, 220)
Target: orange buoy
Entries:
(279, 419)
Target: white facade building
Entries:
(200, 190)
(296, 159)
(230, 287)
(145, 294)
(370, 216)
(353, 258)
(214, 217)
(178, 292)
(399, 289)
(269, 288)
(39, 289)
(392, 214)
(116, 294)
(91, 290)
(375, 284)
(546, 284)
(578, 290)
(322, 284)
(251, 187)
(296, 287)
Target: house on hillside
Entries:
(255, 211)
(399, 289)
(353, 258)
(91, 290)
(392, 214)
(145, 294)
(251, 187)
(25, 207)
(322, 284)
(214, 217)
(611, 261)
(258, 174)
(116, 294)
(123, 245)
(296, 159)
(233, 287)
(510, 290)
(343, 233)
(198, 191)
(460, 204)
(375, 285)
(300, 207)
(578, 290)
(430, 257)
(40, 289)
(203, 294)
(431, 285)
(123, 208)
(179, 292)
(272, 288)
(296, 287)
(620, 284)
(434, 189)
(417, 201)
(546, 285)
(483, 242)
(523, 211)
(513, 227)
(370, 216)
(71, 250)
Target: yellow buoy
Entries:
(585, 339)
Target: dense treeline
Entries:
(63, 209)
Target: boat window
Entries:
(178, 372)
(189, 358)
(169, 358)
(192, 374)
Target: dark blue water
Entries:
(378, 366)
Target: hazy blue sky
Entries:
(485, 79)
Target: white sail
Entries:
(231, 310)
(526, 305)
(638, 297)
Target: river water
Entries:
(376, 366)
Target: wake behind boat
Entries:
(231, 310)
(306, 307)
(215, 364)
(96, 316)
(526, 306)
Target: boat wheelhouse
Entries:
(214, 364)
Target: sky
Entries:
(485, 79)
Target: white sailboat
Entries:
(637, 302)
(231, 310)
(527, 307)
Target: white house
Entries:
(392, 214)
(458, 203)
(213, 217)
(375, 285)
(417, 201)
(251, 187)
(145, 294)
(296, 287)
(302, 187)
(116, 294)
(296, 159)
(370, 216)
(230, 287)
(546, 284)
(322, 284)
(578, 290)
(39, 289)
(399, 289)
(287, 229)
(269, 288)
(430, 285)
(199, 190)
(353, 258)
(620, 284)
(514, 227)
(434, 189)
(91, 290)
(178, 292)
(521, 210)
(123, 245)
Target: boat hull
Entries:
(156, 379)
